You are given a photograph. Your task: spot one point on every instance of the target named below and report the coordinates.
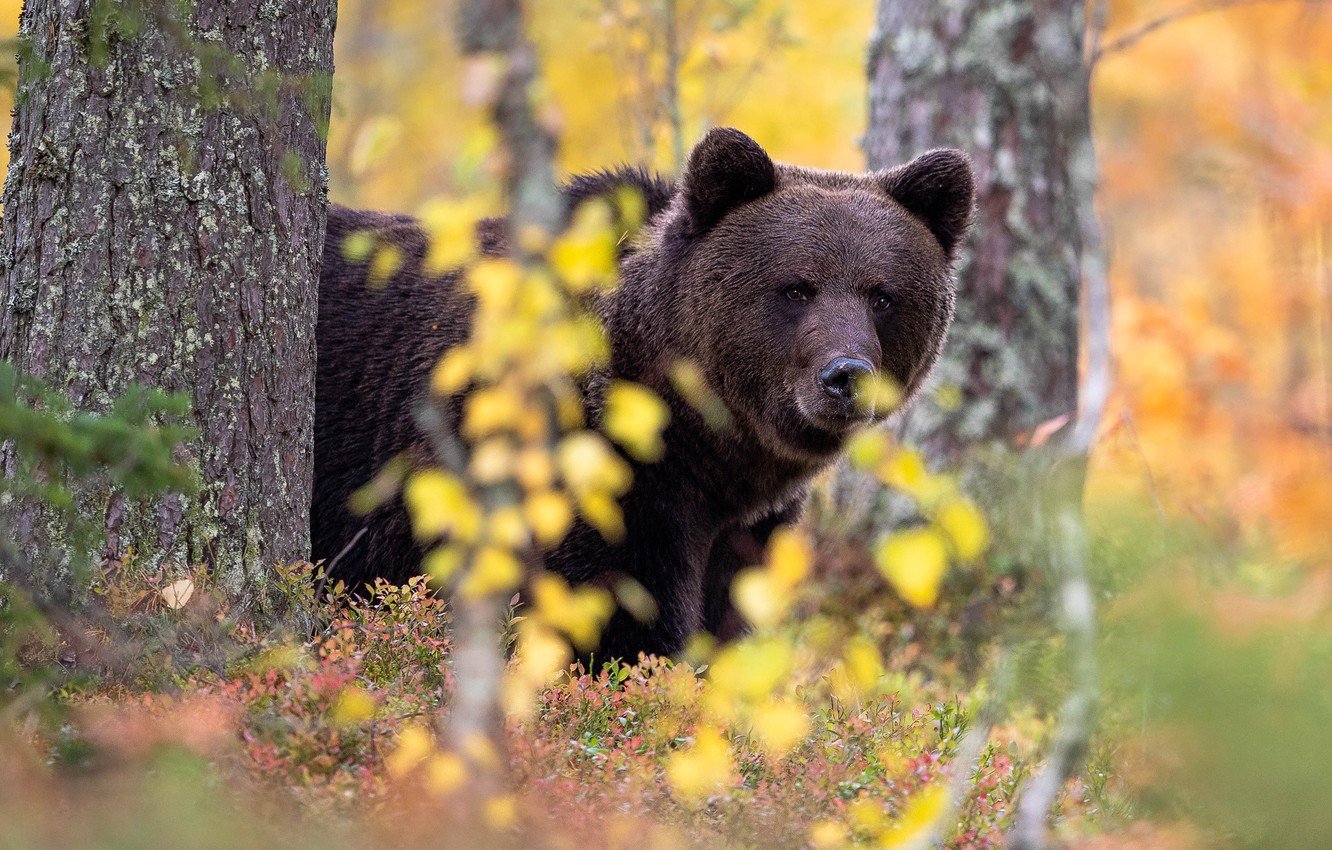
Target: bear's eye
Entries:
(799, 292)
(879, 301)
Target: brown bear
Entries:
(784, 285)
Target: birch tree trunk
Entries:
(163, 224)
(1006, 81)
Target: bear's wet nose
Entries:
(839, 378)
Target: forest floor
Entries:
(210, 735)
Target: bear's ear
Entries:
(725, 169)
(938, 187)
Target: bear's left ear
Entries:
(725, 169)
(938, 187)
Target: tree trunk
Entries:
(1006, 81)
(163, 225)
(1009, 81)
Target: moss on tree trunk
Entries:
(163, 223)
(1007, 82)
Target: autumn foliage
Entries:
(900, 684)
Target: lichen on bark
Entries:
(1005, 81)
(156, 232)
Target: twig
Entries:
(1059, 510)
(1078, 616)
(495, 27)
(1134, 36)
(671, 91)
(323, 579)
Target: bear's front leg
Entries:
(736, 548)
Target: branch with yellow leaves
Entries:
(499, 56)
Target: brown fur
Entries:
(760, 273)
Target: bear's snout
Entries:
(841, 376)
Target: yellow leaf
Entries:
(493, 570)
(965, 527)
(439, 504)
(507, 528)
(445, 773)
(580, 613)
(492, 461)
(451, 229)
(501, 812)
(354, 706)
(750, 669)
(827, 835)
(868, 448)
(491, 409)
(904, 469)
(635, 417)
(534, 468)
(376, 138)
(704, 767)
(542, 654)
(549, 515)
(759, 597)
(604, 514)
(860, 670)
(453, 371)
(496, 283)
(635, 598)
(414, 745)
(358, 245)
(177, 594)
(789, 556)
(584, 255)
(877, 393)
(779, 726)
(689, 382)
(918, 818)
(914, 562)
(588, 463)
(441, 563)
(385, 263)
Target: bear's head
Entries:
(792, 286)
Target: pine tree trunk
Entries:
(1006, 81)
(163, 224)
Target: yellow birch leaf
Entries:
(779, 726)
(635, 418)
(445, 773)
(704, 767)
(965, 527)
(761, 599)
(493, 570)
(914, 562)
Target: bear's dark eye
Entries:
(799, 292)
(879, 301)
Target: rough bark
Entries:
(163, 225)
(1007, 82)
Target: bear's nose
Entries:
(839, 377)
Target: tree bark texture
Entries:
(1006, 81)
(163, 225)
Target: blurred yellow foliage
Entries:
(703, 767)
(914, 562)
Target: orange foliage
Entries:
(1215, 149)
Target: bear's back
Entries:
(377, 342)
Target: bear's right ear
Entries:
(726, 169)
